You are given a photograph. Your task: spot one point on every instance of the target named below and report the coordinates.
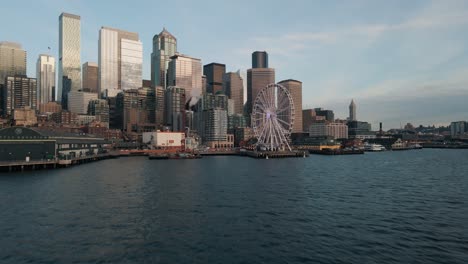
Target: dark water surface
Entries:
(393, 207)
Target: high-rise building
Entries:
(233, 86)
(12, 60)
(164, 47)
(100, 109)
(215, 125)
(295, 89)
(66, 89)
(90, 77)
(69, 64)
(138, 108)
(352, 111)
(78, 101)
(185, 72)
(120, 61)
(260, 59)
(257, 79)
(458, 128)
(160, 106)
(45, 75)
(175, 108)
(214, 73)
(19, 92)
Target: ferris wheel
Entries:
(273, 117)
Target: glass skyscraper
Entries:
(186, 72)
(12, 60)
(164, 47)
(120, 61)
(45, 74)
(69, 52)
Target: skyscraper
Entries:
(352, 111)
(164, 47)
(12, 60)
(90, 77)
(260, 59)
(233, 86)
(258, 77)
(175, 108)
(214, 73)
(295, 89)
(185, 72)
(120, 61)
(69, 53)
(19, 92)
(45, 75)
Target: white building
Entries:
(164, 139)
(45, 75)
(120, 61)
(335, 130)
(78, 101)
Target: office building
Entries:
(458, 128)
(69, 64)
(100, 109)
(160, 106)
(186, 72)
(12, 60)
(258, 78)
(295, 89)
(215, 125)
(138, 109)
(214, 73)
(24, 117)
(360, 130)
(233, 86)
(78, 101)
(19, 92)
(90, 77)
(352, 111)
(45, 75)
(164, 47)
(175, 108)
(309, 116)
(260, 59)
(328, 114)
(50, 107)
(326, 129)
(120, 61)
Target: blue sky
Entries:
(401, 61)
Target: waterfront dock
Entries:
(275, 154)
(336, 152)
(23, 165)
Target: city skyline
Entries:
(421, 77)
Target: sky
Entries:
(401, 61)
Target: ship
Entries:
(373, 147)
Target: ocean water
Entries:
(391, 207)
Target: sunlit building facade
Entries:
(69, 64)
(233, 86)
(120, 61)
(186, 72)
(12, 60)
(45, 75)
(295, 89)
(164, 47)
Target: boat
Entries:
(175, 156)
(373, 147)
(400, 145)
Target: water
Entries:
(393, 207)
